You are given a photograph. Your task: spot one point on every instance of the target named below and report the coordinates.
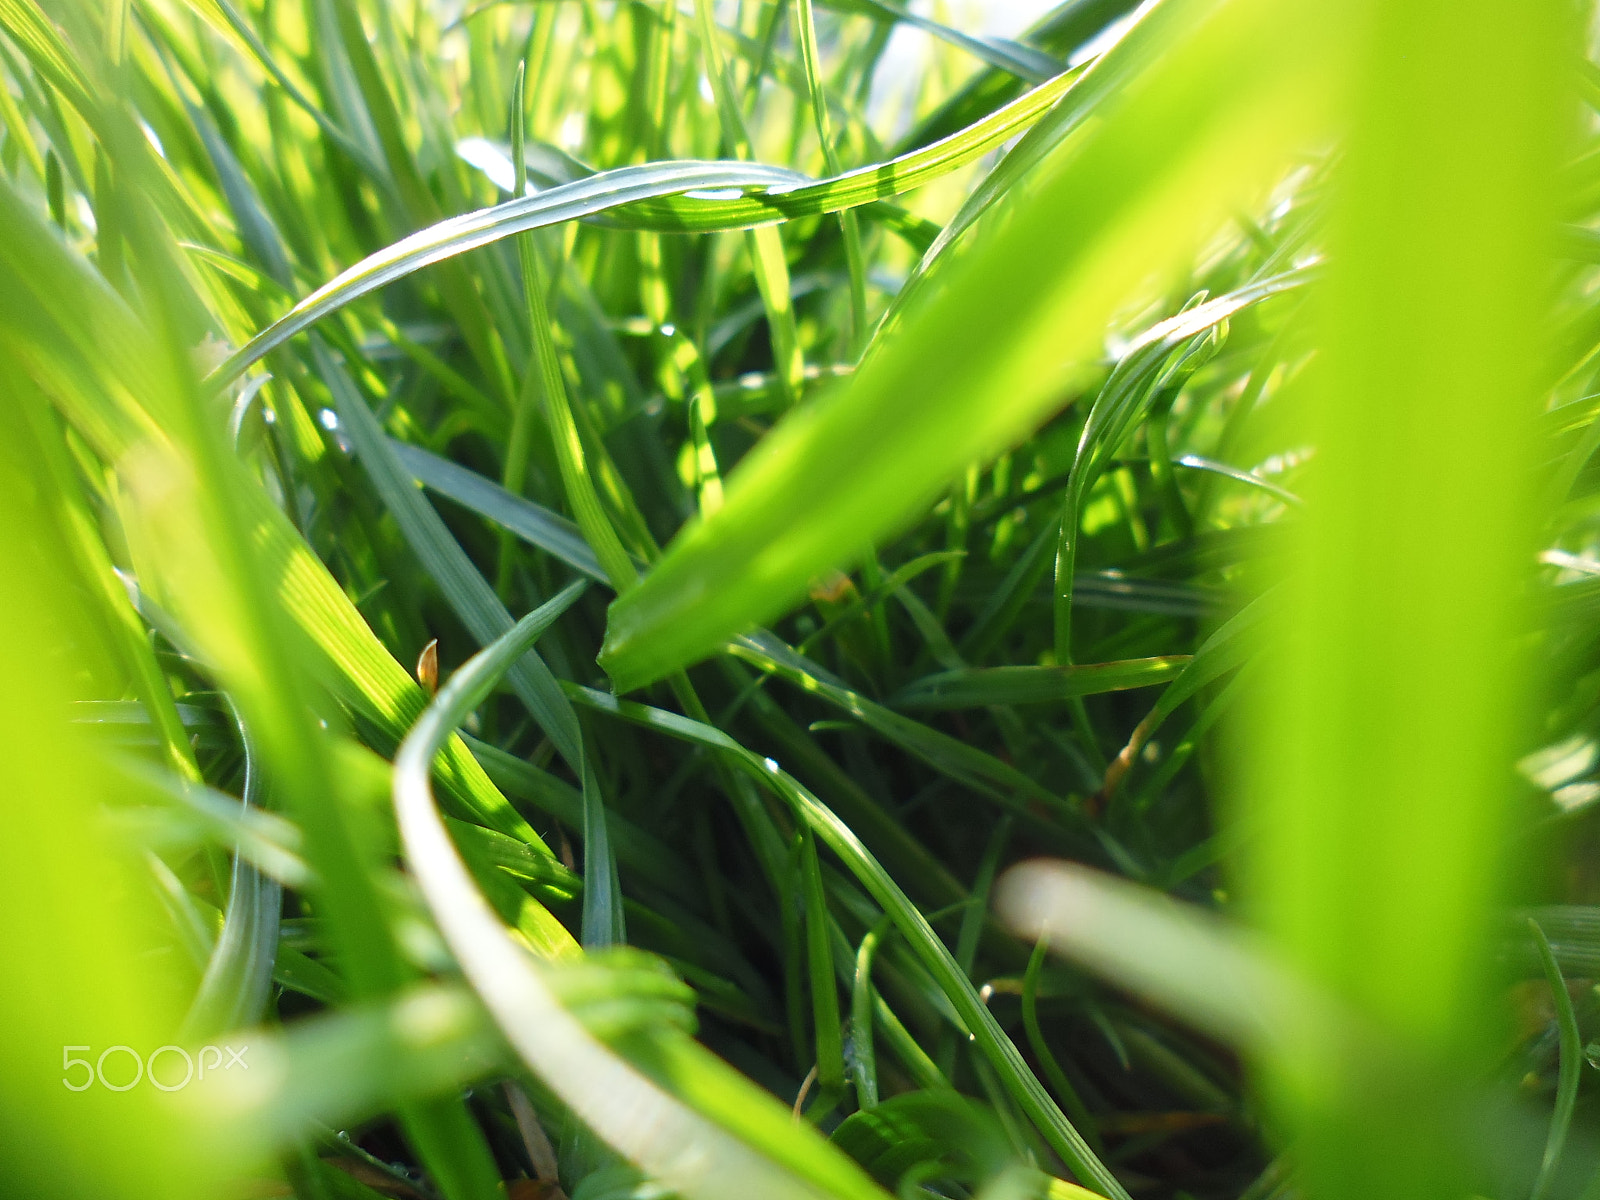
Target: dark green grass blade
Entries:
(1569, 1068)
(975, 687)
(993, 1042)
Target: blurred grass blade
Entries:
(1383, 739)
(80, 336)
(83, 970)
(342, 1068)
(1178, 956)
(265, 839)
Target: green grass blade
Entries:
(538, 526)
(786, 196)
(939, 750)
(829, 1036)
(1017, 58)
(975, 687)
(992, 1040)
(456, 235)
(853, 469)
(634, 1115)
(468, 593)
(863, 1058)
(1386, 729)
(1569, 1069)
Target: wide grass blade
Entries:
(1021, 303)
(1382, 744)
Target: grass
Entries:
(1159, 446)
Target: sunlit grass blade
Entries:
(1385, 728)
(457, 235)
(785, 195)
(852, 470)
(1015, 57)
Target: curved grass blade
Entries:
(786, 196)
(992, 1041)
(233, 990)
(860, 185)
(634, 1115)
(1195, 462)
(457, 235)
(1569, 1068)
